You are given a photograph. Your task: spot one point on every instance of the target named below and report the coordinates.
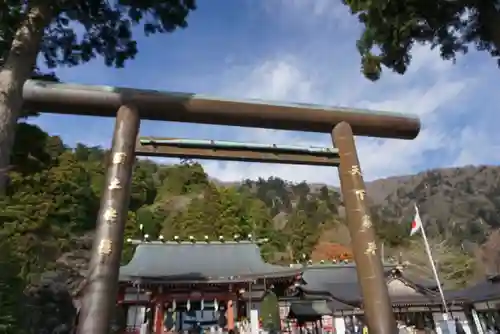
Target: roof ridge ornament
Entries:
(146, 239)
(141, 230)
(261, 241)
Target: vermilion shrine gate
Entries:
(129, 106)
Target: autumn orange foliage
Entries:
(328, 251)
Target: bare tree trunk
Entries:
(17, 68)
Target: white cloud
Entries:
(423, 58)
(306, 12)
(432, 88)
(475, 147)
(274, 80)
(313, 9)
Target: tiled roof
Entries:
(485, 290)
(317, 277)
(341, 283)
(187, 262)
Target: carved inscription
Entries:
(355, 170)
(114, 184)
(366, 223)
(360, 194)
(119, 158)
(110, 215)
(371, 249)
(105, 247)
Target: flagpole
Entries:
(433, 266)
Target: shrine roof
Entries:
(200, 262)
(341, 282)
(350, 293)
(488, 289)
(316, 277)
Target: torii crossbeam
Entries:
(234, 151)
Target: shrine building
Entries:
(330, 299)
(174, 286)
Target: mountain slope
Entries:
(461, 203)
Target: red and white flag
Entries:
(416, 224)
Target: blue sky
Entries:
(301, 51)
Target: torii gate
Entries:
(129, 106)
